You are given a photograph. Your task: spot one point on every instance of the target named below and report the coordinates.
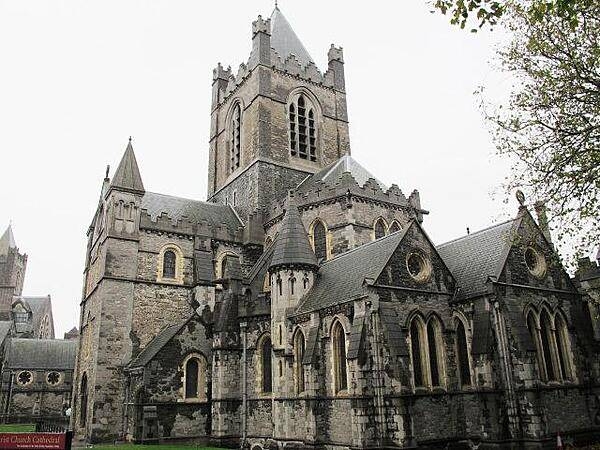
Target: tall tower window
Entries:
(265, 360)
(299, 347)
(339, 357)
(319, 240)
(235, 138)
(303, 130)
(83, 396)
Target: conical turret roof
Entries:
(128, 175)
(7, 241)
(285, 41)
(291, 247)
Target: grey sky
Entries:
(78, 77)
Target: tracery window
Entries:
(562, 339)
(340, 374)
(462, 352)
(235, 138)
(24, 378)
(319, 238)
(265, 364)
(426, 346)
(53, 378)
(299, 347)
(303, 134)
(545, 332)
(379, 228)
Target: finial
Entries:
(520, 197)
(276, 7)
(130, 139)
(107, 170)
(468, 231)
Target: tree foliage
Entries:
(481, 13)
(550, 124)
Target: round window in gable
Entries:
(53, 378)
(535, 262)
(24, 378)
(418, 267)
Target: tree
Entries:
(550, 124)
(489, 12)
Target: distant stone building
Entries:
(304, 305)
(36, 370)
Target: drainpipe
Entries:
(378, 367)
(244, 384)
(10, 392)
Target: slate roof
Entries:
(154, 346)
(333, 172)
(5, 326)
(291, 245)
(341, 279)
(477, 256)
(7, 241)
(128, 175)
(285, 41)
(41, 354)
(195, 211)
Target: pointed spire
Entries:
(128, 175)
(291, 247)
(285, 41)
(7, 241)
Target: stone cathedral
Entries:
(304, 305)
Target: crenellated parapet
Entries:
(184, 226)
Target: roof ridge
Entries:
(475, 233)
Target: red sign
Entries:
(40, 441)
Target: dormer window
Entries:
(303, 129)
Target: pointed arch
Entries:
(234, 134)
(547, 342)
(435, 349)
(534, 331)
(299, 349)
(417, 351)
(463, 353)
(340, 364)
(83, 396)
(318, 239)
(265, 363)
(380, 228)
(304, 116)
(394, 227)
(195, 370)
(563, 346)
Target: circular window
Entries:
(53, 378)
(535, 261)
(24, 378)
(418, 267)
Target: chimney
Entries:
(540, 211)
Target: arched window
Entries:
(340, 375)
(546, 338)
(194, 374)
(394, 227)
(265, 363)
(235, 138)
(434, 343)
(292, 284)
(462, 352)
(303, 134)
(319, 235)
(535, 336)
(169, 264)
(416, 338)
(83, 395)
(379, 228)
(299, 346)
(279, 285)
(563, 348)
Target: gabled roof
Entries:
(291, 246)
(285, 41)
(475, 257)
(128, 175)
(41, 354)
(39, 307)
(342, 278)
(333, 172)
(154, 346)
(194, 210)
(7, 241)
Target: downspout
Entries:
(244, 384)
(10, 391)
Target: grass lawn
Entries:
(17, 428)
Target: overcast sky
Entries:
(77, 78)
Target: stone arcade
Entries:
(303, 305)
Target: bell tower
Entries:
(276, 121)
